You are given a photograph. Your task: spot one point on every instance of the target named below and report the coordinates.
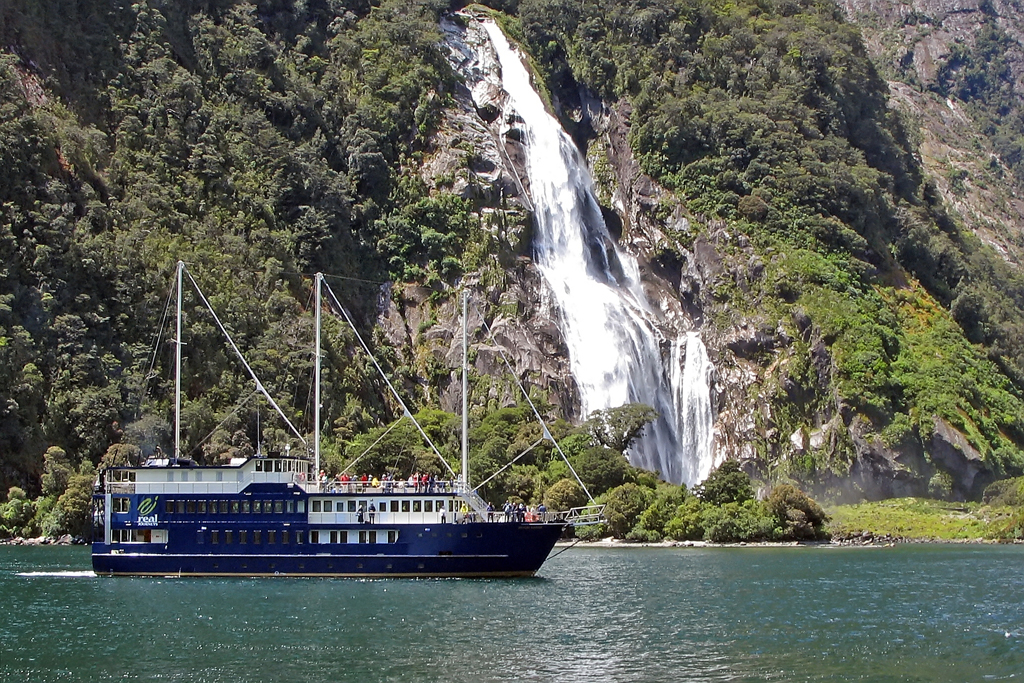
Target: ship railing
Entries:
(586, 515)
(384, 487)
(120, 487)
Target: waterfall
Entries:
(606, 319)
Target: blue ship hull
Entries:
(496, 549)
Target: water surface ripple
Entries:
(916, 613)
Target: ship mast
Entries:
(316, 382)
(465, 392)
(177, 371)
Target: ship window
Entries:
(392, 536)
(191, 505)
(299, 536)
(301, 507)
(428, 506)
(314, 536)
(179, 507)
(214, 536)
(351, 506)
(327, 506)
(290, 506)
(213, 507)
(257, 506)
(200, 537)
(362, 537)
(259, 465)
(234, 507)
(121, 504)
(373, 537)
(405, 506)
(277, 465)
(168, 506)
(229, 536)
(242, 536)
(202, 507)
(223, 507)
(451, 505)
(245, 507)
(143, 535)
(440, 505)
(271, 537)
(316, 506)
(394, 506)
(417, 506)
(284, 536)
(278, 507)
(257, 537)
(334, 537)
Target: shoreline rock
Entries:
(66, 539)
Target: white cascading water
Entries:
(607, 321)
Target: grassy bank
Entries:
(925, 519)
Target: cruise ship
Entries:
(267, 516)
(270, 516)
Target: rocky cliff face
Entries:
(917, 46)
(770, 374)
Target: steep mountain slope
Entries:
(866, 341)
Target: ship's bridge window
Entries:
(245, 507)
(290, 507)
(277, 465)
(394, 506)
(257, 507)
(405, 506)
(122, 475)
(351, 506)
(327, 506)
(428, 506)
(316, 506)
(259, 465)
(168, 505)
(301, 507)
(417, 506)
(121, 504)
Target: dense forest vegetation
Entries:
(263, 141)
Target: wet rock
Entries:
(953, 452)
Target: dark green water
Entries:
(916, 613)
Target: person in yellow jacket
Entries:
(464, 511)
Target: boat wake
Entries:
(60, 575)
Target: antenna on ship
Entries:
(316, 382)
(465, 391)
(177, 371)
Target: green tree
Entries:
(617, 428)
(564, 495)
(623, 506)
(600, 468)
(726, 484)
